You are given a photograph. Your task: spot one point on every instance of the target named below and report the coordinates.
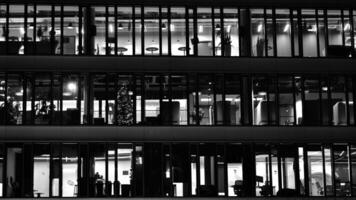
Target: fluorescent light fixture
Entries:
(22, 31)
(67, 94)
(286, 28)
(120, 26)
(201, 28)
(111, 28)
(347, 27)
(324, 88)
(72, 86)
(259, 28)
(173, 28)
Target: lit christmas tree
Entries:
(124, 108)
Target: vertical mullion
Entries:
(186, 31)
(106, 98)
(79, 164)
(143, 98)
(5, 99)
(106, 146)
(34, 28)
(197, 99)
(291, 22)
(222, 31)
(330, 111)
(354, 98)
(326, 32)
(51, 111)
(116, 33)
(33, 89)
(317, 32)
(133, 82)
(198, 169)
(142, 30)
(187, 95)
(239, 29)
(195, 25)
(62, 30)
(300, 32)
(133, 31)
(79, 97)
(52, 31)
(116, 88)
(352, 25)
(60, 171)
(169, 31)
(346, 90)
(294, 100)
(7, 30)
(25, 27)
(268, 100)
(324, 167)
(160, 29)
(265, 31)
(306, 174)
(213, 29)
(214, 80)
(107, 51)
(333, 169)
(80, 36)
(170, 95)
(225, 111)
(349, 147)
(270, 166)
(321, 120)
(277, 101)
(274, 32)
(61, 98)
(24, 98)
(303, 96)
(342, 27)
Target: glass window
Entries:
(193, 40)
(270, 32)
(3, 32)
(341, 170)
(218, 32)
(338, 100)
(98, 170)
(321, 29)
(302, 180)
(350, 100)
(99, 87)
(234, 161)
(125, 101)
(30, 33)
(354, 27)
(328, 170)
(286, 101)
(288, 160)
(111, 31)
(152, 99)
(42, 32)
(206, 100)
(124, 30)
(124, 169)
(194, 117)
(151, 30)
(221, 170)
(346, 26)
(71, 30)
(179, 103)
(315, 171)
(334, 27)
(353, 168)
(56, 108)
(41, 170)
(260, 101)
(295, 28)
(178, 31)
(258, 39)
(230, 34)
(2, 99)
(2, 154)
(138, 31)
(43, 104)
(138, 99)
(69, 170)
(283, 32)
(111, 95)
(164, 31)
(263, 171)
(57, 31)
(16, 29)
(232, 110)
(311, 104)
(14, 99)
(100, 30)
(70, 100)
(138, 172)
(310, 31)
(204, 23)
(207, 170)
(14, 159)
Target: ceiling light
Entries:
(201, 28)
(259, 28)
(286, 28)
(173, 28)
(70, 25)
(347, 27)
(72, 87)
(120, 26)
(164, 27)
(111, 28)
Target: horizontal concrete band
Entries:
(177, 64)
(198, 198)
(179, 134)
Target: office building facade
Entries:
(178, 99)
